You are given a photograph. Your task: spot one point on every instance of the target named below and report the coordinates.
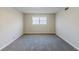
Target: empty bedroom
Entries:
(39, 28)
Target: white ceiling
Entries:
(39, 9)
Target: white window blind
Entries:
(35, 20)
(39, 20)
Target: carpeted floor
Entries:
(39, 43)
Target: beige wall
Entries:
(30, 28)
(67, 26)
(10, 26)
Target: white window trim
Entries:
(39, 20)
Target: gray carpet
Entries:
(39, 43)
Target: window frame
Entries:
(39, 20)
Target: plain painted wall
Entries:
(11, 26)
(67, 26)
(30, 28)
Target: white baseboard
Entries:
(39, 33)
(9, 43)
(69, 43)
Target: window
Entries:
(35, 20)
(39, 20)
(43, 20)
